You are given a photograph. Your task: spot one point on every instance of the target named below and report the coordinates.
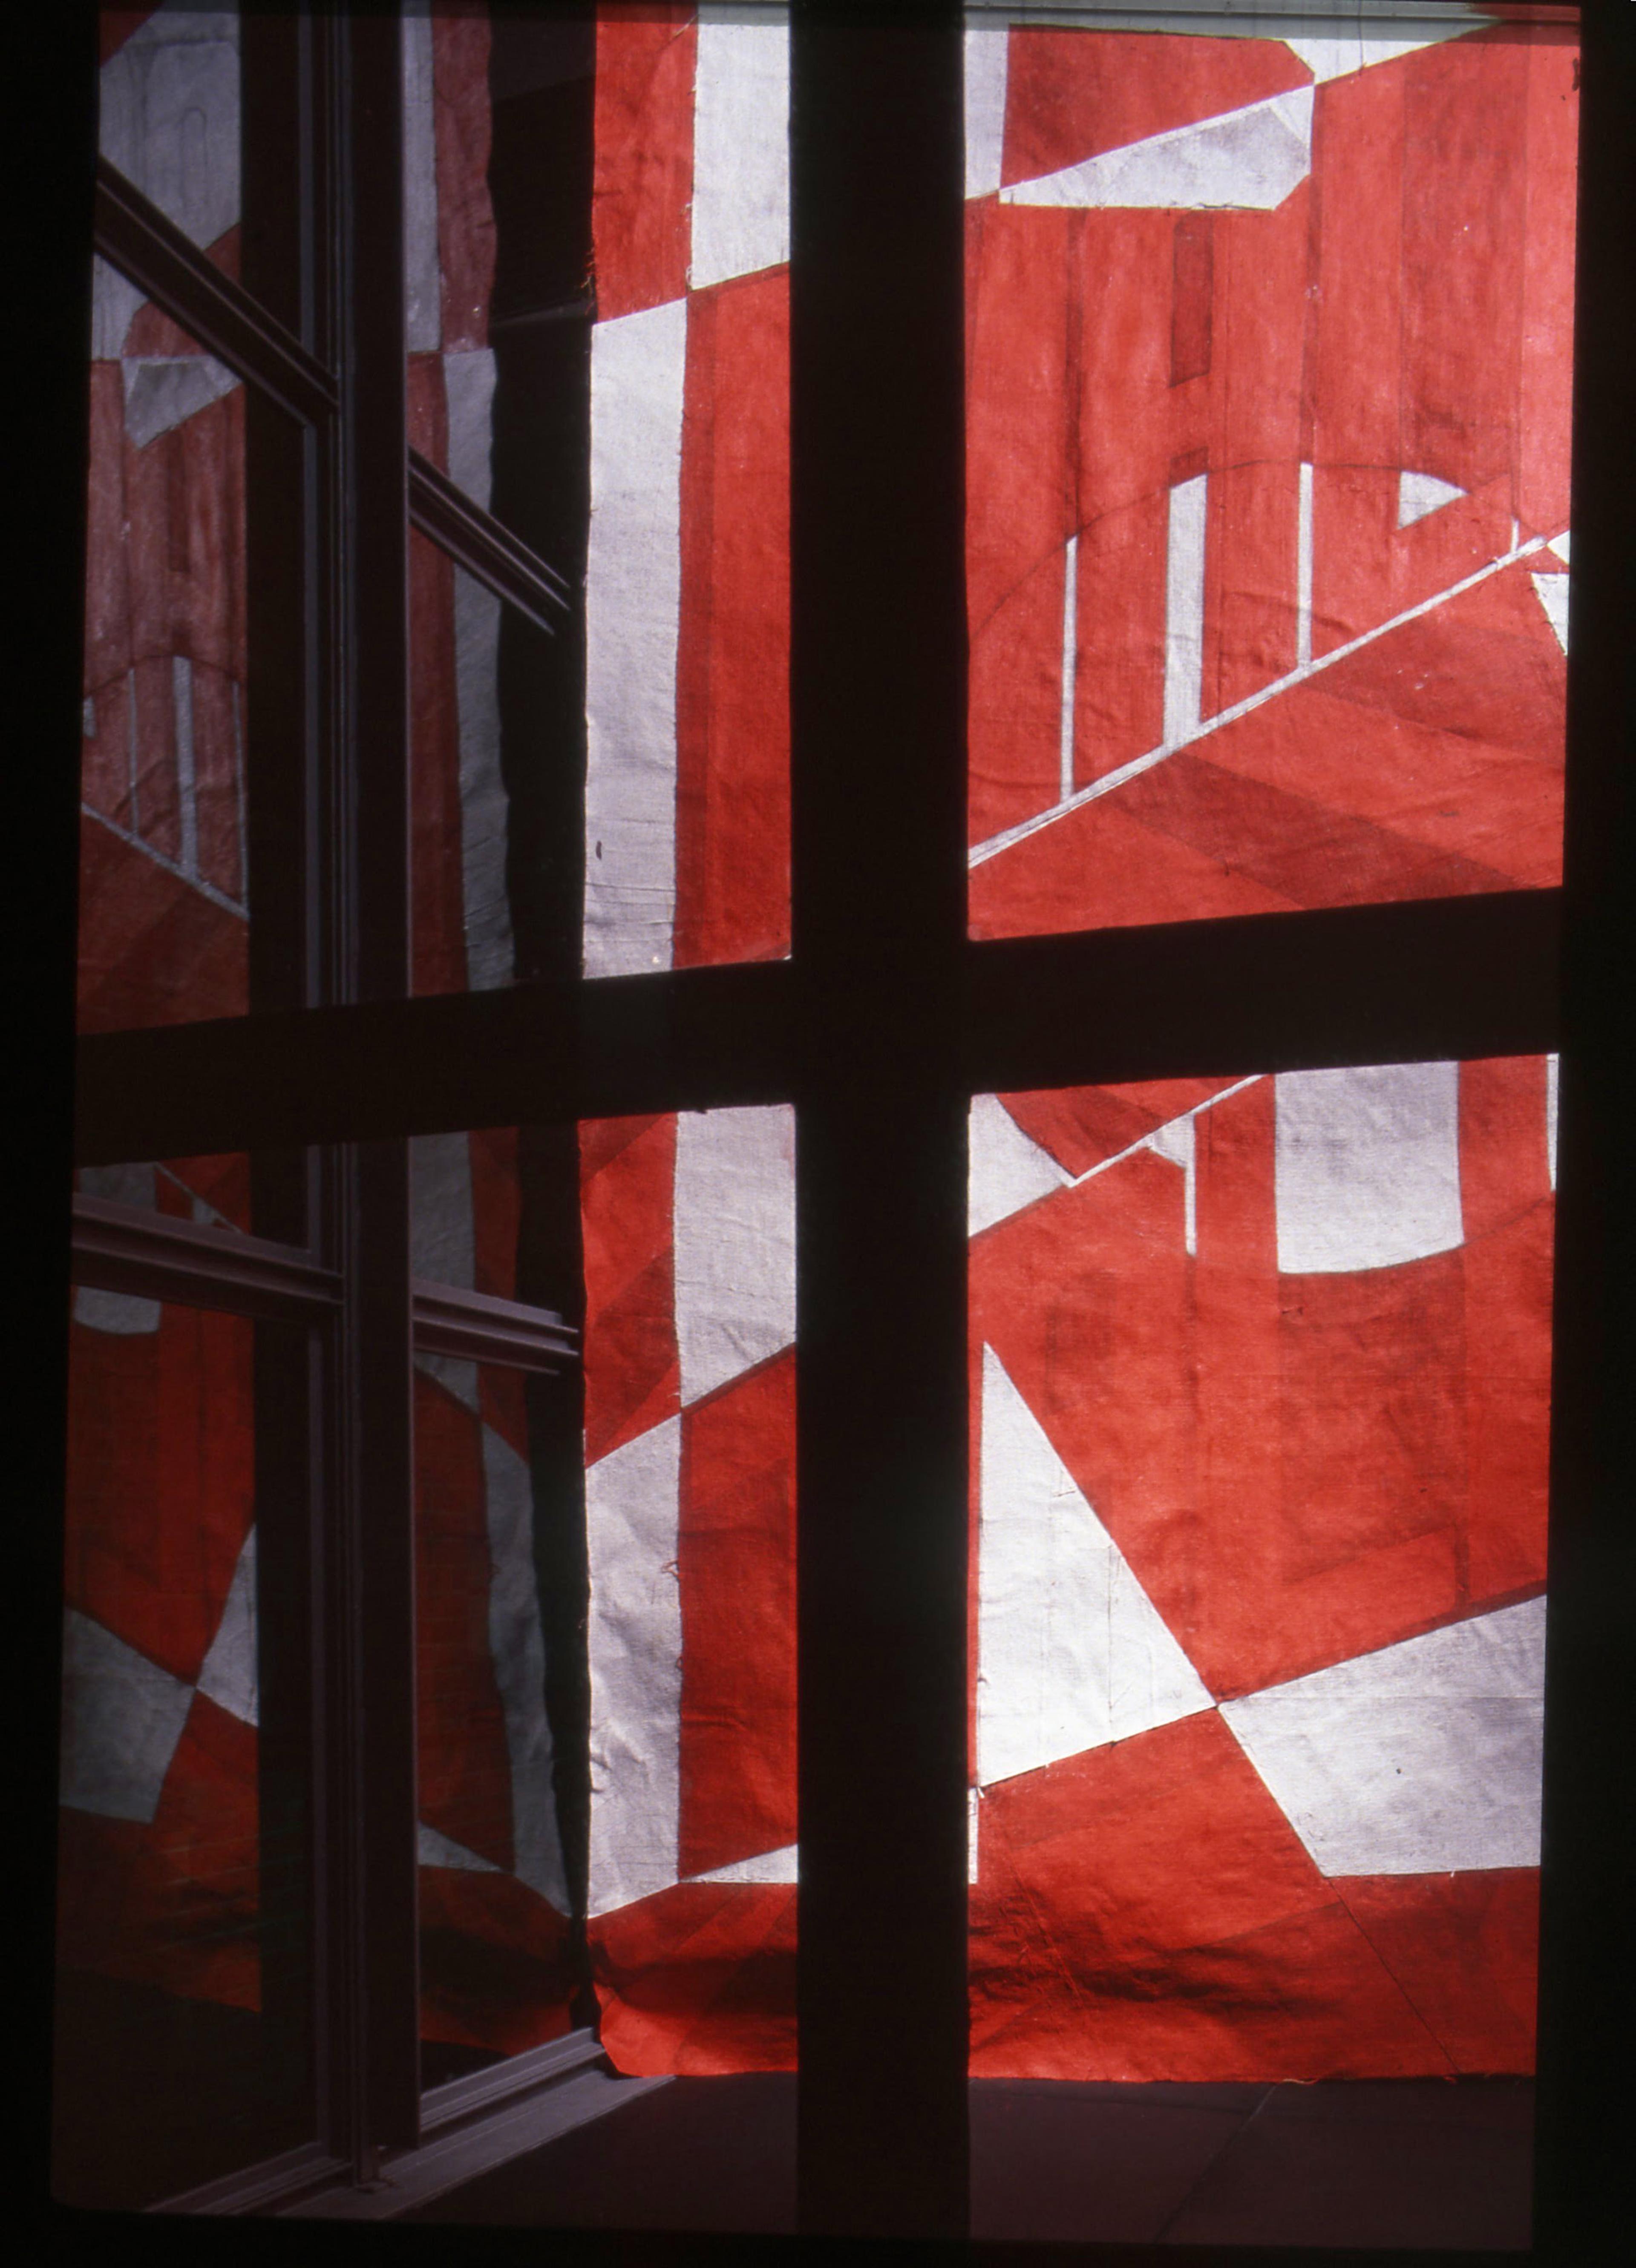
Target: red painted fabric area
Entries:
(699, 1979)
(737, 1562)
(1147, 1912)
(732, 745)
(160, 1479)
(172, 1901)
(465, 1789)
(632, 1373)
(644, 176)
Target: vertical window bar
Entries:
(282, 256)
(1581, 2177)
(879, 905)
(371, 1876)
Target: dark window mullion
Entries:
(877, 673)
(222, 315)
(1283, 991)
(1582, 2167)
(369, 1870)
(480, 544)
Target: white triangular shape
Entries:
(1420, 494)
(766, 1867)
(1421, 1758)
(1338, 58)
(1245, 160)
(228, 1677)
(1072, 1651)
(1552, 592)
(1007, 1168)
(432, 1849)
(1559, 545)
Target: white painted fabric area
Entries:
(987, 51)
(1367, 1165)
(1006, 1168)
(734, 1242)
(164, 391)
(125, 1314)
(169, 117)
(1551, 591)
(423, 284)
(741, 144)
(767, 1866)
(517, 1649)
(1328, 57)
(1552, 1080)
(633, 590)
(443, 1240)
(1423, 1758)
(122, 1716)
(1071, 1653)
(632, 1524)
(468, 379)
(1184, 610)
(1246, 160)
(228, 1677)
(1420, 494)
(432, 1849)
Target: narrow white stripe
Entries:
(633, 592)
(491, 949)
(239, 799)
(517, 1649)
(1303, 572)
(996, 844)
(740, 144)
(1148, 1141)
(187, 796)
(194, 881)
(1184, 611)
(1552, 1073)
(987, 48)
(1069, 660)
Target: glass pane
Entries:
(607, 1598)
(497, 1967)
(1267, 456)
(463, 816)
(212, 1192)
(596, 239)
(1261, 1391)
(690, 1441)
(168, 119)
(502, 1956)
(182, 1981)
(163, 916)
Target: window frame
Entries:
(337, 1058)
